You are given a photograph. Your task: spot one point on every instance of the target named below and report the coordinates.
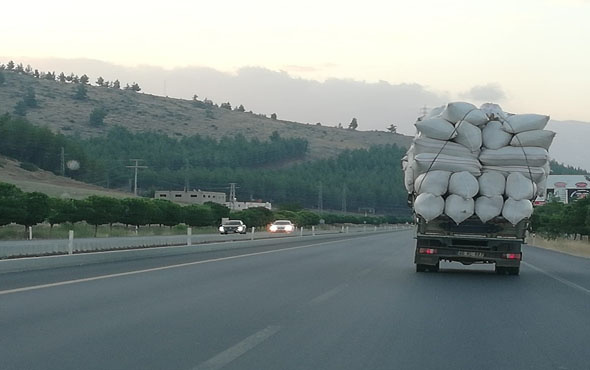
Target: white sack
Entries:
(446, 163)
(426, 145)
(516, 210)
(468, 135)
(538, 172)
(487, 208)
(458, 111)
(435, 112)
(494, 137)
(492, 183)
(436, 128)
(542, 188)
(493, 111)
(409, 179)
(433, 182)
(525, 122)
(429, 206)
(540, 138)
(463, 184)
(458, 208)
(514, 156)
(519, 187)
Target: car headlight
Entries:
(240, 228)
(289, 227)
(273, 228)
(221, 228)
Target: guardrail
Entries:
(26, 248)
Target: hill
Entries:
(49, 183)
(61, 112)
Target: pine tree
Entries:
(62, 77)
(100, 81)
(97, 117)
(80, 92)
(10, 66)
(84, 79)
(116, 84)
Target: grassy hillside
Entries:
(138, 112)
(48, 183)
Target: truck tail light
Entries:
(427, 251)
(512, 256)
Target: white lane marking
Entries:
(232, 353)
(555, 277)
(100, 277)
(327, 295)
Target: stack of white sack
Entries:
(487, 162)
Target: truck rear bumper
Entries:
(466, 259)
(504, 253)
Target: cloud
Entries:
(491, 92)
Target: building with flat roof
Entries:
(191, 196)
(565, 188)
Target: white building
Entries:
(565, 188)
(191, 196)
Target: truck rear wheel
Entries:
(507, 270)
(513, 270)
(423, 268)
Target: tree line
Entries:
(32, 208)
(11, 66)
(555, 219)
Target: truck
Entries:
(472, 241)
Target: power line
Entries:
(136, 167)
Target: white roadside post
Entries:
(71, 242)
(313, 231)
(364, 228)
(347, 230)
(301, 234)
(30, 233)
(342, 231)
(375, 228)
(252, 234)
(189, 234)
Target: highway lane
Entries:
(342, 304)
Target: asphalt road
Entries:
(354, 302)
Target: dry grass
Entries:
(173, 117)
(580, 248)
(50, 184)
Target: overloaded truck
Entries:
(471, 174)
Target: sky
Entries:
(528, 55)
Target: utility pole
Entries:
(186, 168)
(136, 166)
(232, 195)
(320, 199)
(344, 198)
(63, 161)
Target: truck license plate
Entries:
(470, 254)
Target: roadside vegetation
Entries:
(105, 216)
(556, 220)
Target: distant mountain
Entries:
(571, 144)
